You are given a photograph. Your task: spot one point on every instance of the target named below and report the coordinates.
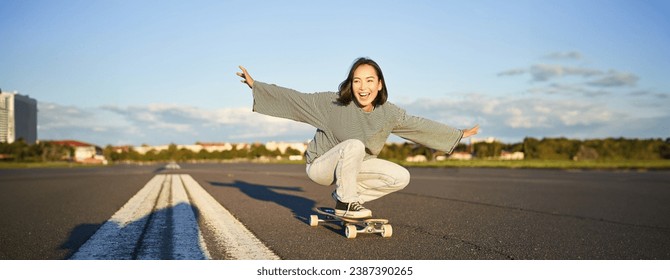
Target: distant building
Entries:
(242, 146)
(221, 147)
(84, 152)
(209, 147)
(295, 157)
(461, 156)
(121, 149)
(216, 147)
(18, 118)
(146, 148)
(283, 146)
(504, 155)
(193, 148)
(416, 158)
(489, 140)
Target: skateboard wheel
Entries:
(313, 220)
(387, 230)
(350, 231)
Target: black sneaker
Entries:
(353, 210)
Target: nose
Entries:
(360, 85)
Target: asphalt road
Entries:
(442, 214)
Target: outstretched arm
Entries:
(247, 78)
(286, 103)
(430, 133)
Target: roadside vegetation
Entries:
(553, 164)
(562, 153)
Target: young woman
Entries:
(352, 126)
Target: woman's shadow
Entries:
(300, 206)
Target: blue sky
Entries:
(158, 72)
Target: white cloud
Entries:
(573, 55)
(576, 81)
(545, 72)
(513, 118)
(92, 125)
(213, 124)
(542, 72)
(162, 124)
(517, 119)
(577, 102)
(527, 112)
(568, 89)
(615, 79)
(513, 72)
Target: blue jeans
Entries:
(355, 178)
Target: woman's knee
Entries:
(354, 146)
(319, 175)
(402, 178)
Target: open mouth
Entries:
(364, 94)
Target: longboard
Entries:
(352, 227)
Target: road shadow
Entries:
(78, 237)
(139, 238)
(300, 206)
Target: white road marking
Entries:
(150, 245)
(161, 222)
(239, 242)
(117, 238)
(185, 237)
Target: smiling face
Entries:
(365, 85)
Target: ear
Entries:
(380, 85)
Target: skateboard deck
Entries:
(352, 226)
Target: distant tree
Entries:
(257, 150)
(547, 148)
(54, 152)
(530, 148)
(389, 151)
(20, 150)
(586, 153)
(204, 155)
(275, 153)
(292, 152)
(461, 147)
(664, 150)
(423, 150)
(488, 150)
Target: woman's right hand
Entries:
(247, 78)
(472, 131)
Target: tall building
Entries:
(18, 118)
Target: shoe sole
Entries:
(351, 215)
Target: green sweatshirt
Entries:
(336, 123)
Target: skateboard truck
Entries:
(352, 227)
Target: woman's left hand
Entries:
(247, 78)
(472, 131)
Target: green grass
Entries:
(554, 164)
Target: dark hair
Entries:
(346, 92)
